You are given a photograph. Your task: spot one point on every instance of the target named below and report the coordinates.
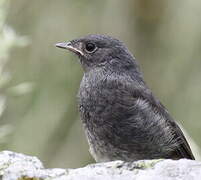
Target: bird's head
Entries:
(100, 51)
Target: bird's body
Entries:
(125, 122)
(121, 117)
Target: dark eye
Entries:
(90, 47)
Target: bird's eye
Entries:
(90, 47)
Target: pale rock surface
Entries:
(15, 166)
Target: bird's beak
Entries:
(69, 46)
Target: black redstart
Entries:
(122, 119)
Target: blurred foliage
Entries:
(163, 35)
(8, 39)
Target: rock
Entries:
(15, 166)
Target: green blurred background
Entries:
(39, 83)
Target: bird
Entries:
(121, 117)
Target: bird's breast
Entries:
(104, 98)
(94, 101)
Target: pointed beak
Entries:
(69, 46)
(63, 45)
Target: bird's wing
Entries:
(183, 150)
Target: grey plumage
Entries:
(122, 118)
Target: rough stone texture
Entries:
(14, 166)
